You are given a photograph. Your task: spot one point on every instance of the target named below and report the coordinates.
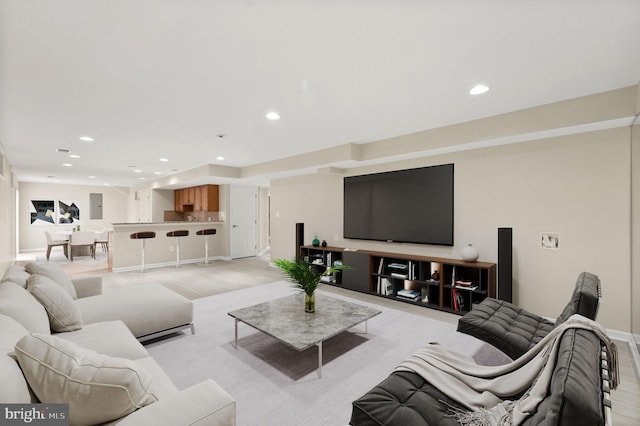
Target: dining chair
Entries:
(102, 239)
(83, 239)
(51, 242)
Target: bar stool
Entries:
(142, 236)
(178, 234)
(206, 233)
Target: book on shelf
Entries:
(412, 270)
(387, 287)
(465, 285)
(409, 294)
(380, 267)
(454, 299)
(328, 279)
(395, 265)
(457, 300)
(398, 275)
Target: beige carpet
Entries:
(274, 384)
(191, 280)
(194, 281)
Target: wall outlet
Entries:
(172, 249)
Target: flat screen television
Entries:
(409, 206)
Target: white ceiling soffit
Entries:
(151, 79)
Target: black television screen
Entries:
(410, 206)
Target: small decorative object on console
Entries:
(315, 242)
(470, 253)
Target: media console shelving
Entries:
(451, 285)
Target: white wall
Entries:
(576, 185)
(114, 201)
(7, 214)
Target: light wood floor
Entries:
(625, 399)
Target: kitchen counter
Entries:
(161, 250)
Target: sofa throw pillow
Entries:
(54, 272)
(98, 388)
(62, 311)
(16, 274)
(17, 303)
(14, 386)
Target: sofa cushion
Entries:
(578, 368)
(145, 309)
(404, 398)
(575, 393)
(17, 303)
(98, 388)
(54, 272)
(16, 274)
(111, 338)
(61, 310)
(509, 328)
(14, 388)
(585, 298)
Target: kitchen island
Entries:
(161, 250)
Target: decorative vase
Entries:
(310, 302)
(470, 253)
(324, 243)
(316, 241)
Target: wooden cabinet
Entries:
(451, 285)
(178, 196)
(202, 198)
(207, 200)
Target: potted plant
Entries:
(306, 276)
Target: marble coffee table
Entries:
(285, 320)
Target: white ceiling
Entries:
(149, 79)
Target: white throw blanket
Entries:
(488, 391)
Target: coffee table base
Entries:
(319, 345)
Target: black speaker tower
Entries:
(505, 264)
(299, 239)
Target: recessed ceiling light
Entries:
(67, 165)
(106, 184)
(164, 160)
(86, 138)
(141, 178)
(74, 156)
(273, 115)
(220, 158)
(479, 89)
(157, 173)
(92, 177)
(137, 171)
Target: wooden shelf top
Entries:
(404, 256)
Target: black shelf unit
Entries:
(450, 285)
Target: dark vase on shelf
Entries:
(315, 242)
(324, 243)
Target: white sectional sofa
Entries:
(62, 341)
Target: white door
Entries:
(144, 206)
(242, 217)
